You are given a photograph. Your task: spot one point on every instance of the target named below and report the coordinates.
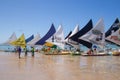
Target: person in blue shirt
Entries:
(19, 51)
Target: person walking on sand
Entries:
(32, 50)
(19, 51)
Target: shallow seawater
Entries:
(58, 67)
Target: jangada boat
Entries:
(56, 52)
(99, 54)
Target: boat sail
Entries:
(59, 37)
(29, 38)
(68, 35)
(34, 40)
(47, 36)
(115, 36)
(70, 41)
(11, 39)
(81, 32)
(96, 35)
(20, 41)
(113, 28)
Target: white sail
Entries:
(59, 37)
(34, 40)
(76, 29)
(70, 41)
(11, 39)
(114, 37)
(96, 35)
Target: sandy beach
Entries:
(58, 67)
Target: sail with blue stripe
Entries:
(50, 33)
(29, 39)
(81, 32)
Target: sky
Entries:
(36, 16)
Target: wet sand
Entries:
(58, 67)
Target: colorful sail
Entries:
(83, 31)
(47, 36)
(29, 39)
(20, 41)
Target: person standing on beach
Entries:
(19, 51)
(25, 49)
(32, 50)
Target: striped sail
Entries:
(34, 40)
(57, 38)
(112, 30)
(114, 37)
(114, 27)
(70, 41)
(96, 35)
(50, 33)
(68, 35)
(81, 32)
(29, 38)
